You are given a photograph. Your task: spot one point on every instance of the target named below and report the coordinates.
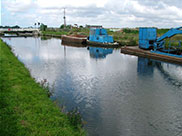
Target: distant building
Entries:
(93, 26)
(76, 25)
(115, 29)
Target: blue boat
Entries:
(99, 37)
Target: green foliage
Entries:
(172, 42)
(54, 33)
(133, 31)
(161, 31)
(62, 26)
(67, 26)
(16, 26)
(25, 109)
(126, 36)
(59, 32)
(75, 118)
(43, 27)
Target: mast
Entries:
(64, 18)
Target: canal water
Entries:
(116, 94)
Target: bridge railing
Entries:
(18, 29)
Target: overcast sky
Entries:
(108, 13)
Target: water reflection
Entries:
(10, 35)
(171, 73)
(145, 66)
(45, 38)
(73, 44)
(99, 53)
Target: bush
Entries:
(43, 27)
(127, 30)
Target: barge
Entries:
(98, 37)
(76, 39)
(151, 46)
(148, 54)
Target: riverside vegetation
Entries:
(125, 36)
(25, 108)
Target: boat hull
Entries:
(106, 45)
(74, 39)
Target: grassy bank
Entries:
(54, 33)
(126, 36)
(25, 109)
(59, 32)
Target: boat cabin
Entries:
(100, 35)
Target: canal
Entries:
(116, 94)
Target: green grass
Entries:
(130, 37)
(25, 109)
(161, 31)
(59, 32)
(126, 36)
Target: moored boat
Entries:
(77, 39)
(98, 37)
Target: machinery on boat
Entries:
(148, 40)
(99, 37)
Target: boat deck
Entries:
(147, 54)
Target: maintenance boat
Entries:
(98, 37)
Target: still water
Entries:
(116, 94)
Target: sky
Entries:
(108, 13)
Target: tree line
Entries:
(16, 26)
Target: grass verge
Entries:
(25, 109)
(125, 37)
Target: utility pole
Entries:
(64, 18)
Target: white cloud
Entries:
(73, 3)
(109, 13)
(18, 5)
(0, 13)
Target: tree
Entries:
(16, 26)
(62, 26)
(43, 27)
(68, 26)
